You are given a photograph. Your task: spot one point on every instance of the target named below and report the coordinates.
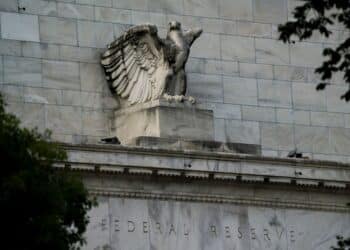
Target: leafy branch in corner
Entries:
(319, 16)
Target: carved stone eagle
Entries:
(140, 66)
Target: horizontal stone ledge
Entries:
(211, 176)
(238, 200)
(224, 156)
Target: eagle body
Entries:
(140, 66)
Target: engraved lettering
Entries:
(266, 234)
(292, 236)
(116, 225)
(279, 235)
(240, 235)
(103, 224)
(145, 227)
(252, 233)
(227, 232)
(158, 227)
(131, 226)
(213, 230)
(186, 230)
(172, 229)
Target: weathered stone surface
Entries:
(40, 50)
(229, 68)
(274, 93)
(9, 5)
(131, 4)
(162, 119)
(334, 103)
(208, 46)
(254, 29)
(264, 114)
(91, 77)
(33, 95)
(290, 73)
(19, 27)
(62, 75)
(39, 7)
(306, 54)
(91, 100)
(167, 6)
(205, 87)
(271, 51)
(95, 122)
(219, 130)
(260, 71)
(52, 96)
(306, 97)
(103, 3)
(15, 108)
(10, 47)
(240, 90)
(33, 116)
(327, 119)
(312, 139)
(64, 119)
(293, 116)
(112, 15)
(1, 70)
(75, 11)
(12, 93)
(58, 30)
(277, 136)
(207, 66)
(22, 70)
(237, 48)
(205, 8)
(79, 54)
(229, 27)
(270, 11)
(72, 97)
(211, 25)
(242, 131)
(339, 140)
(96, 35)
(225, 111)
(236, 9)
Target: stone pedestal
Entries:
(165, 120)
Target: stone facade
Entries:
(174, 199)
(261, 90)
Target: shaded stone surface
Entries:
(197, 145)
(164, 119)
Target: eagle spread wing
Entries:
(135, 65)
(191, 35)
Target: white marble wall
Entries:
(129, 224)
(262, 91)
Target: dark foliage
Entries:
(343, 244)
(41, 208)
(319, 16)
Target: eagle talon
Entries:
(179, 98)
(191, 100)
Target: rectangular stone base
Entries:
(164, 119)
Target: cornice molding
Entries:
(236, 200)
(223, 156)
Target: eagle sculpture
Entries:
(141, 67)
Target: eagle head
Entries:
(174, 25)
